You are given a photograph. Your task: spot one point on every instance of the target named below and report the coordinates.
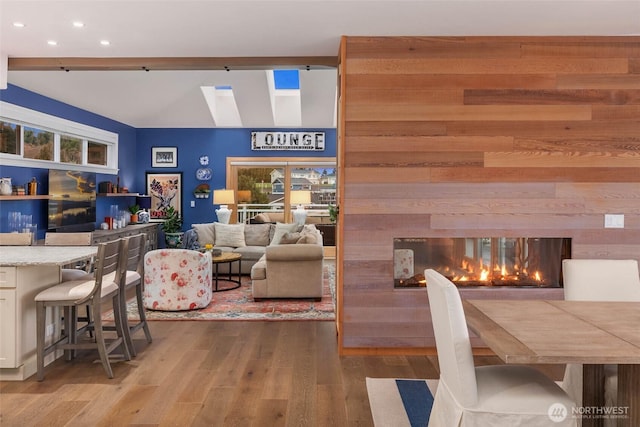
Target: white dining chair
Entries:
(500, 395)
(598, 280)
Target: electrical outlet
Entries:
(193, 203)
(614, 221)
(50, 329)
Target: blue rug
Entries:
(400, 402)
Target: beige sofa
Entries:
(249, 240)
(313, 217)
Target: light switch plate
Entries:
(613, 221)
(193, 203)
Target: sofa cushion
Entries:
(280, 230)
(290, 238)
(259, 270)
(307, 238)
(262, 217)
(250, 253)
(256, 234)
(229, 235)
(205, 232)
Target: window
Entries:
(10, 137)
(264, 185)
(97, 153)
(38, 143)
(32, 139)
(70, 149)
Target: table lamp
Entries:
(223, 198)
(300, 198)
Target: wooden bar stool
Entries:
(109, 266)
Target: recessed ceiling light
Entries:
(105, 42)
(18, 24)
(78, 24)
(52, 42)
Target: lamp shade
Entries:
(300, 197)
(144, 201)
(223, 197)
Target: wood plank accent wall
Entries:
(478, 136)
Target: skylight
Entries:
(222, 105)
(284, 91)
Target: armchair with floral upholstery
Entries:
(177, 279)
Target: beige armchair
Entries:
(289, 271)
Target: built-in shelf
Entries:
(118, 194)
(36, 197)
(46, 196)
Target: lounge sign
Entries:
(307, 141)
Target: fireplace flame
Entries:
(499, 273)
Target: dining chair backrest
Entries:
(108, 267)
(68, 239)
(15, 239)
(455, 356)
(601, 279)
(135, 252)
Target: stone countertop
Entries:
(14, 256)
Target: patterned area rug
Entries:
(238, 304)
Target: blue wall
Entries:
(218, 144)
(134, 158)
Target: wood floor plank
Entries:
(214, 374)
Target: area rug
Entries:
(238, 304)
(397, 402)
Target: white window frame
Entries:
(26, 117)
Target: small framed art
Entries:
(164, 157)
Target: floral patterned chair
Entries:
(177, 279)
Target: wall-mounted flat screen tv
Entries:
(72, 200)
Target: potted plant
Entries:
(172, 227)
(333, 213)
(134, 209)
(202, 191)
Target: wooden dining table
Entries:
(559, 332)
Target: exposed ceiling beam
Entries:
(173, 63)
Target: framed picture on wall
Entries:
(165, 190)
(164, 157)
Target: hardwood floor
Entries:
(213, 374)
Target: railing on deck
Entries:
(246, 211)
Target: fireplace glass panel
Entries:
(484, 261)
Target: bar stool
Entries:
(132, 278)
(109, 266)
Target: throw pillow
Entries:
(231, 235)
(257, 234)
(290, 238)
(280, 230)
(308, 238)
(262, 217)
(205, 232)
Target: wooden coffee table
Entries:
(226, 258)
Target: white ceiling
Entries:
(259, 28)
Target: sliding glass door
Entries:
(265, 185)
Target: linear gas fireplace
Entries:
(482, 261)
